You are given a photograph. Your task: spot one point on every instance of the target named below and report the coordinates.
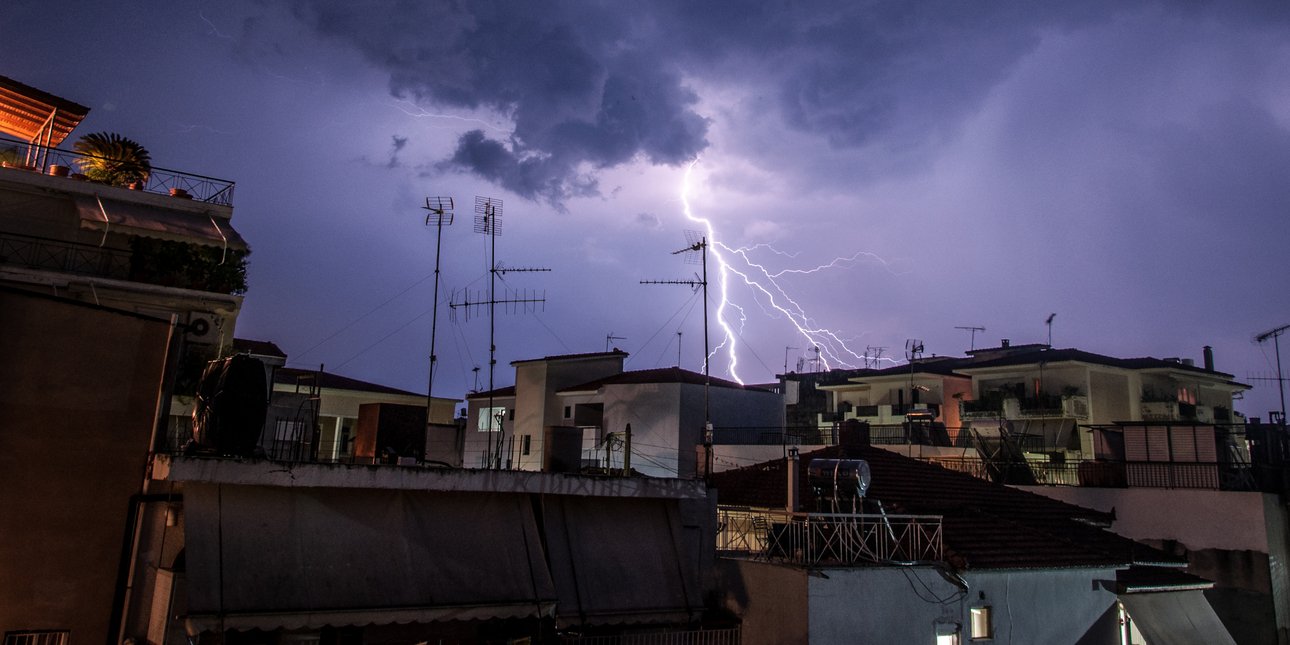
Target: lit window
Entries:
(36, 638)
(981, 627)
(947, 639)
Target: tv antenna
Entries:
(973, 330)
(817, 361)
(913, 349)
(873, 356)
(488, 221)
(786, 348)
(696, 252)
(438, 215)
(1275, 335)
(1049, 322)
(678, 348)
(611, 337)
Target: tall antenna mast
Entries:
(876, 359)
(974, 330)
(1275, 335)
(1049, 322)
(488, 221)
(696, 251)
(678, 348)
(439, 215)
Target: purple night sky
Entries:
(1124, 165)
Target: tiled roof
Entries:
(1148, 579)
(1042, 355)
(292, 376)
(259, 347)
(660, 375)
(986, 525)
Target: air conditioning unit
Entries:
(202, 328)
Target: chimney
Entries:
(791, 504)
(1209, 358)
(1005, 343)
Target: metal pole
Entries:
(1281, 384)
(434, 322)
(707, 372)
(492, 327)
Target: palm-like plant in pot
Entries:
(113, 159)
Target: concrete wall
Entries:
(658, 421)
(1237, 539)
(770, 598)
(79, 395)
(913, 604)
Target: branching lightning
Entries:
(834, 351)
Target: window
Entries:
(53, 637)
(526, 444)
(981, 627)
(490, 419)
(568, 411)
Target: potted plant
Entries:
(113, 159)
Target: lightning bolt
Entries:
(422, 113)
(834, 351)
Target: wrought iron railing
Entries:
(1101, 474)
(68, 257)
(727, 636)
(160, 180)
(835, 539)
(767, 436)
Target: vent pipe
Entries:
(1209, 358)
(791, 504)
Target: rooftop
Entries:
(985, 525)
(575, 357)
(294, 376)
(660, 375)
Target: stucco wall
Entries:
(910, 605)
(771, 599)
(1198, 519)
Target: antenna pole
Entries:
(1275, 335)
(699, 243)
(1049, 322)
(678, 349)
(441, 214)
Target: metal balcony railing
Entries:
(53, 255)
(833, 539)
(1103, 474)
(727, 636)
(161, 180)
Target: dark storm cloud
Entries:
(592, 86)
(579, 100)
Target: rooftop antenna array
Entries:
(873, 356)
(913, 349)
(1275, 335)
(696, 252)
(488, 221)
(438, 214)
(973, 330)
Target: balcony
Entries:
(47, 161)
(828, 539)
(157, 262)
(881, 414)
(1104, 474)
(767, 436)
(1177, 411)
(1045, 406)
